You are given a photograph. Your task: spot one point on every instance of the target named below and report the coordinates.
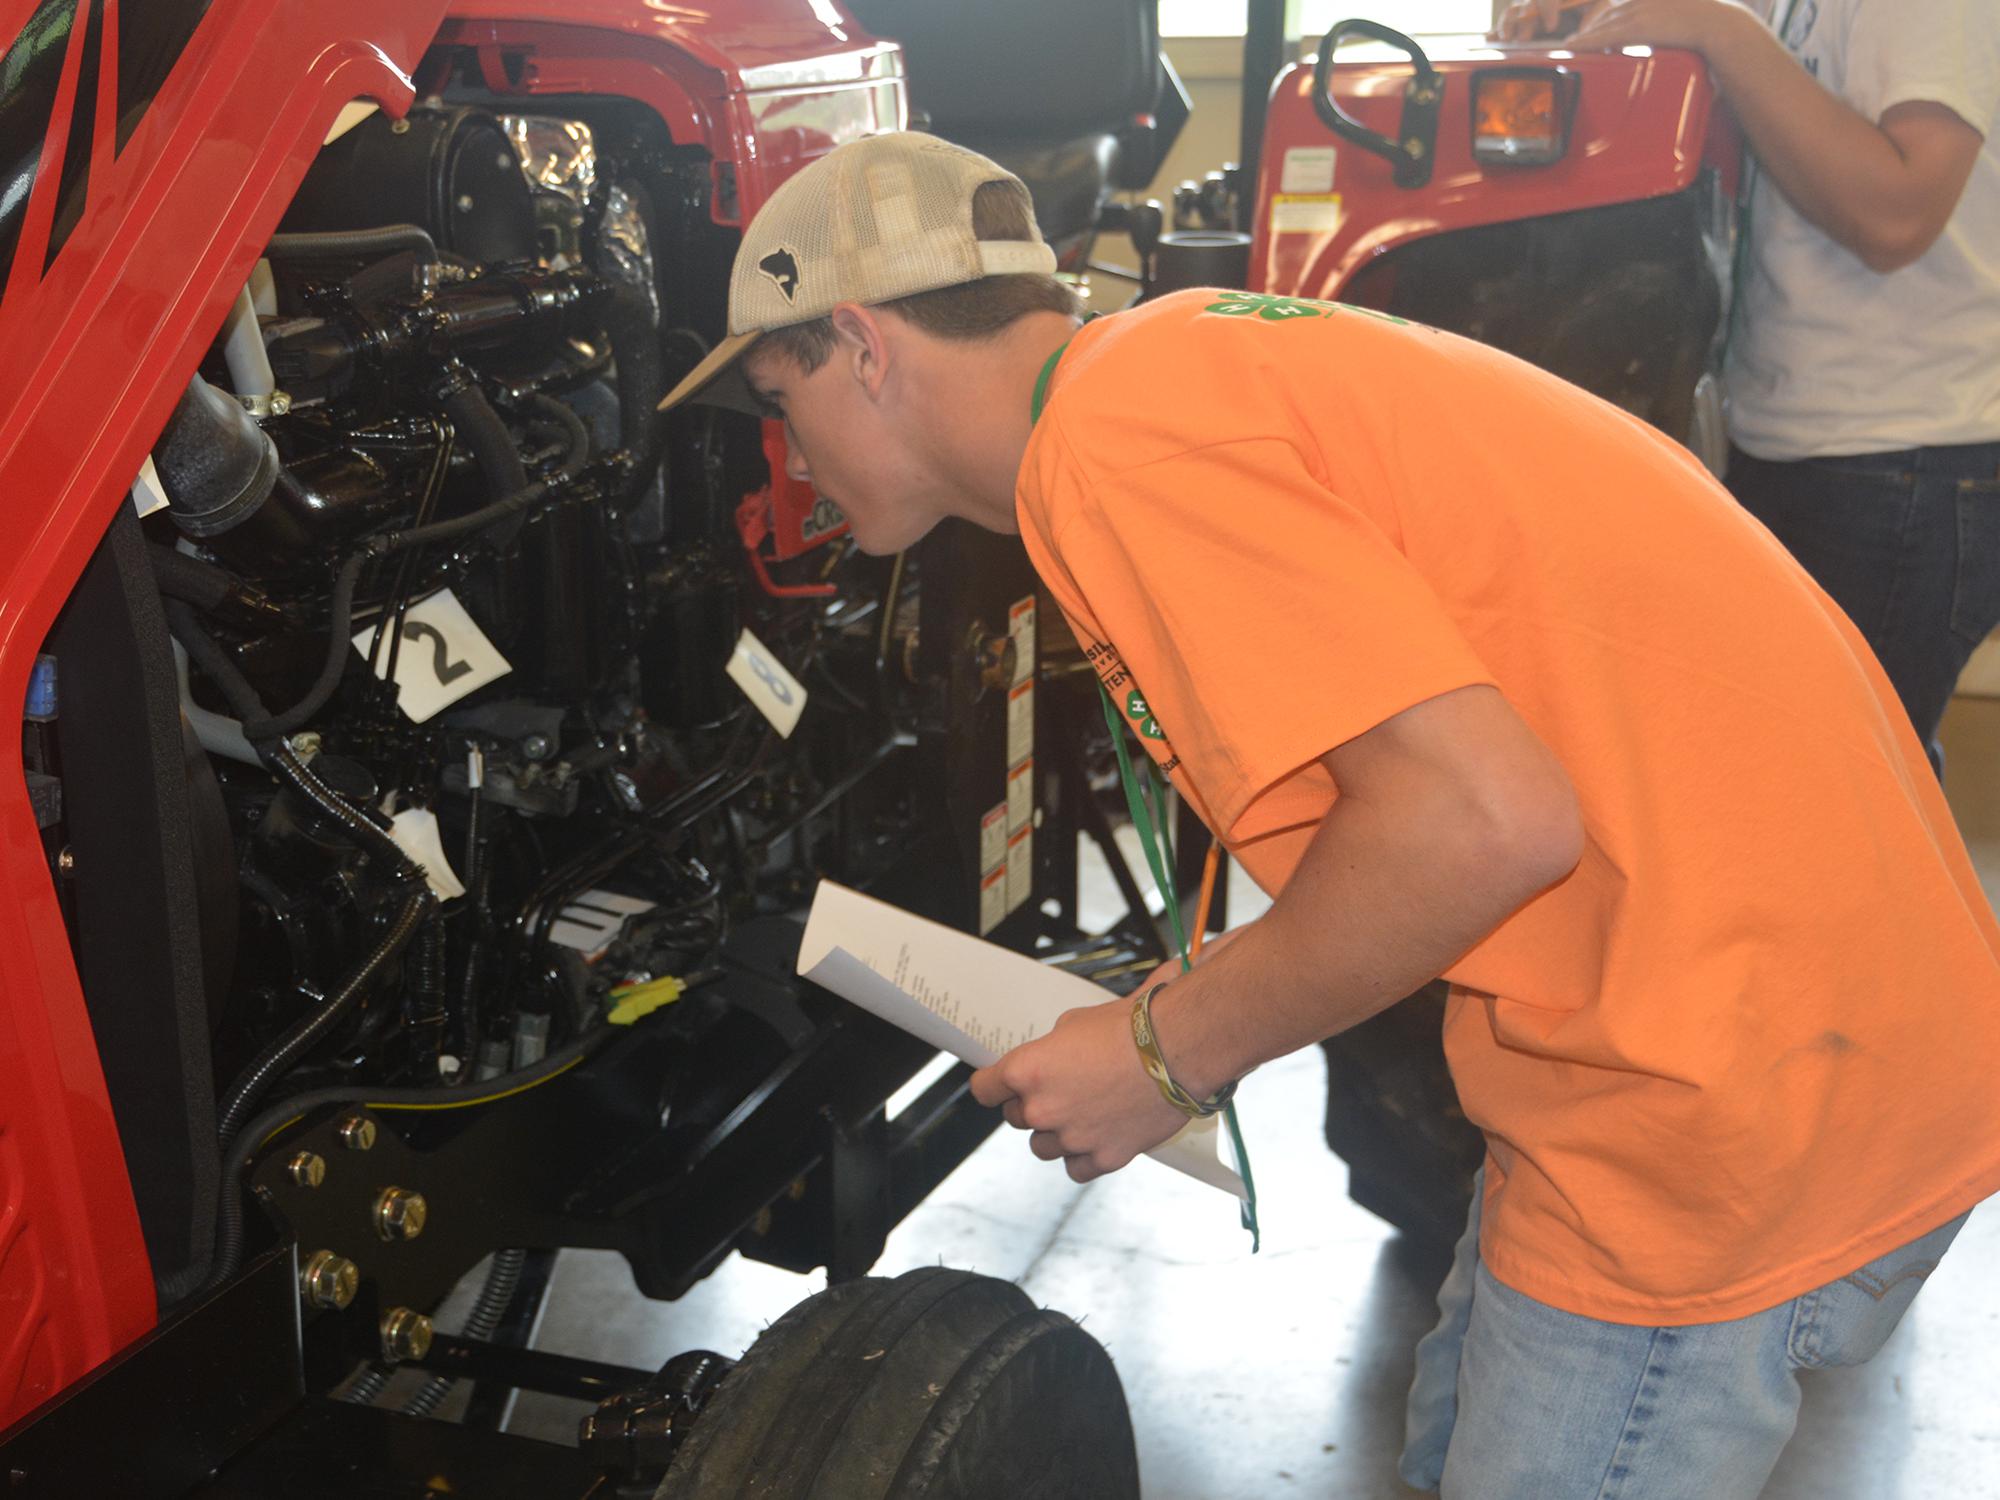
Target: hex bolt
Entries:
(406, 1334)
(329, 1280)
(307, 1169)
(357, 1133)
(400, 1213)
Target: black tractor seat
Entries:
(1044, 87)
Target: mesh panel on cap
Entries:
(877, 219)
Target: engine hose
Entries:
(356, 244)
(500, 510)
(278, 1057)
(418, 904)
(642, 383)
(263, 726)
(503, 1279)
(228, 1252)
(204, 652)
(202, 584)
(481, 429)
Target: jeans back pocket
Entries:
(1846, 1322)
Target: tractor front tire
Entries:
(937, 1385)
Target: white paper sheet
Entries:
(964, 996)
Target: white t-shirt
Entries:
(1829, 357)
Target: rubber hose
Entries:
(358, 244)
(642, 382)
(341, 609)
(199, 583)
(503, 1279)
(417, 906)
(512, 505)
(341, 612)
(279, 1056)
(479, 426)
(228, 1253)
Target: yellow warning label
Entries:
(1305, 213)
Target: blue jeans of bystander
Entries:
(1907, 543)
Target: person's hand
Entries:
(1082, 1091)
(1652, 23)
(1525, 19)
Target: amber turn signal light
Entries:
(1521, 117)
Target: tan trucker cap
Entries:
(873, 220)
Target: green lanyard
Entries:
(1147, 804)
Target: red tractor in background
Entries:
(1576, 209)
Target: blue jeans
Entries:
(1907, 543)
(1516, 1400)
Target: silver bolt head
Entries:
(357, 1133)
(307, 1169)
(281, 403)
(304, 745)
(465, 203)
(329, 1280)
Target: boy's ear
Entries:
(863, 344)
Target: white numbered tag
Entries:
(779, 695)
(443, 656)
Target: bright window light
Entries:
(1417, 17)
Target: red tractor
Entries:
(426, 752)
(1577, 209)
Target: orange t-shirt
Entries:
(1753, 1041)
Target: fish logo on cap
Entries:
(782, 266)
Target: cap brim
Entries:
(717, 381)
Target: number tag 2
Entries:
(779, 696)
(444, 656)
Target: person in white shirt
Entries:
(1863, 370)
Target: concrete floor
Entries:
(1284, 1373)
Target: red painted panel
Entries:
(97, 350)
(99, 346)
(1646, 124)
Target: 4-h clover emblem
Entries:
(1142, 716)
(1275, 309)
(1268, 306)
